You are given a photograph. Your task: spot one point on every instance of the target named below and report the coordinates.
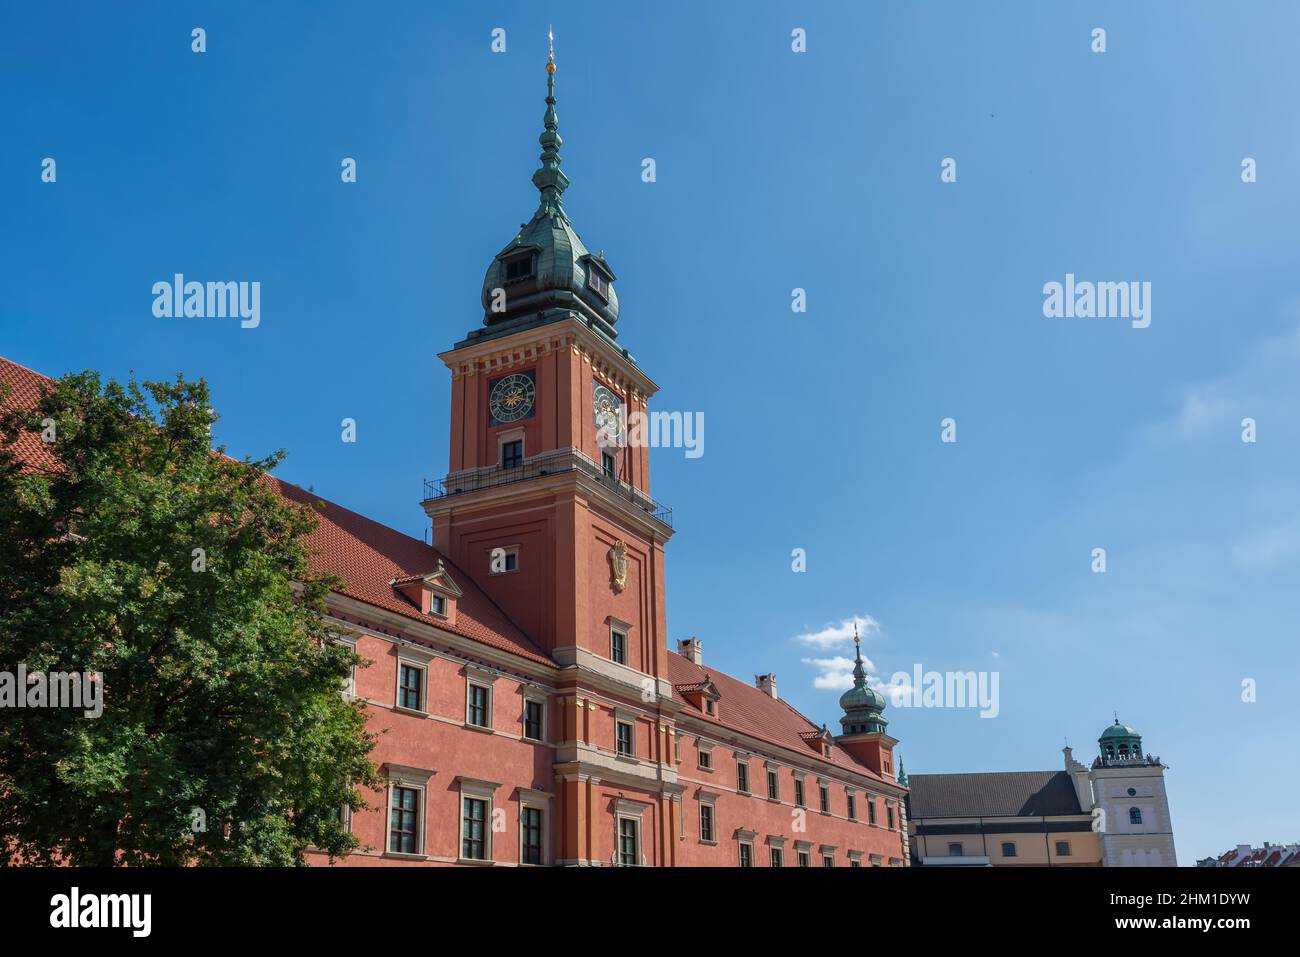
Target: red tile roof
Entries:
(744, 708)
(365, 554)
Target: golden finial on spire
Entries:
(550, 60)
(856, 639)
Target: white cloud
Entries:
(835, 674)
(836, 635)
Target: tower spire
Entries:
(550, 179)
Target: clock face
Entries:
(512, 397)
(608, 409)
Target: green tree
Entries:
(224, 738)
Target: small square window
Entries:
(512, 454)
(1008, 849)
(438, 605)
(624, 739)
(503, 560)
(1062, 848)
(706, 760)
(803, 859)
(617, 646)
(828, 860)
(956, 850)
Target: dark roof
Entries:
(994, 794)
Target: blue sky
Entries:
(775, 170)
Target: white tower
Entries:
(1129, 788)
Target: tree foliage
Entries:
(224, 738)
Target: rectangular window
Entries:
(609, 465)
(776, 856)
(956, 850)
(853, 808)
(706, 822)
(503, 560)
(404, 821)
(512, 454)
(677, 748)
(627, 842)
(530, 825)
(410, 684)
(889, 815)
(625, 743)
(773, 786)
(617, 646)
(521, 267)
(803, 859)
(708, 706)
(742, 778)
(478, 714)
(855, 863)
(473, 844)
(1008, 849)
(438, 605)
(746, 855)
(706, 760)
(871, 810)
(534, 715)
(1062, 848)
(828, 860)
(824, 796)
(596, 283)
(798, 792)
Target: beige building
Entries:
(1114, 813)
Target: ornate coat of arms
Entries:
(618, 564)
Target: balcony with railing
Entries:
(555, 462)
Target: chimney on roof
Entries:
(691, 648)
(766, 683)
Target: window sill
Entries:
(629, 758)
(411, 711)
(479, 728)
(709, 843)
(404, 856)
(476, 862)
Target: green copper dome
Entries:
(862, 704)
(1118, 730)
(546, 272)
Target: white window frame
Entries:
(625, 719)
(438, 597)
(422, 665)
(506, 550)
(416, 779)
(350, 683)
(625, 810)
(478, 790)
(523, 718)
(710, 800)
(748, 789)
(538, 801)
(623, 631)
(481, 679)
(511, 435)
(703, 749)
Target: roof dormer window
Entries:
(519, 267)
(597, 283)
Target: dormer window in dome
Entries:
(519, 267)
(599, 276)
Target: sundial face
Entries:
(512, 397)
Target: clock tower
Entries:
(545, 505)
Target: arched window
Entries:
(1135, 815)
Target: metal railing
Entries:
(548, 463)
